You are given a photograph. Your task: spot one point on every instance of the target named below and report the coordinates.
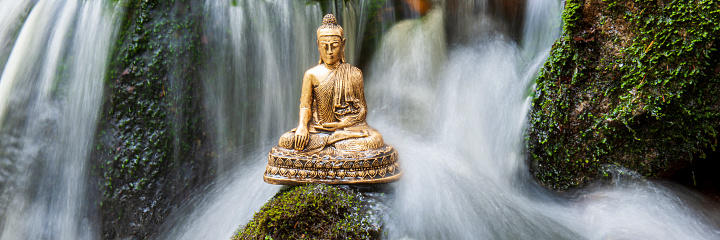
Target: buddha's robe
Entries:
(339, 97)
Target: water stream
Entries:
(50, 96)
(14, 12)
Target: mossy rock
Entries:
(316, 211)
(151, 149)
(631, 83)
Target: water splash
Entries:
(50, 97)
(462, 166)
(464, 172)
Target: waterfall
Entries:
(459, 134)
(259, 54)
(542, 26)
(402, 89)
(259, 50)
(14, 12)
(463, 151)
(50, 96)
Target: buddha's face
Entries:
(331, 48)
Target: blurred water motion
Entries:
(50, 96)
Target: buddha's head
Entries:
(331, 43)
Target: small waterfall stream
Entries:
(261, 49)
(247, 79)
(50, 96)
(14, 12)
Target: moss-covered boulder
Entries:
(633, 83)
(151, 151)
(316, 211)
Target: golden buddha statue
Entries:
(332, 142)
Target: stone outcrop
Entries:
(634, 84)
(318, 211)
(151, 151)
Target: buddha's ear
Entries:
(342, 57)
(320, 57)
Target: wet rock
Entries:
(151, 151)
(629, 83)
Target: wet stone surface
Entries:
(629, 83)
(152, 151)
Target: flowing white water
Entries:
(456, 116)
(50, 97)
(260, 56)
(13, 14)
(541, 26)
(464, 172)
(406, 86)
(252, 76)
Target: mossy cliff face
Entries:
(151, 150)
(315, 211)
(633, 83)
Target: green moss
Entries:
(149, 148)
(631, 83)
(571, 15)
(312, 212)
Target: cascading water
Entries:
(456, 116)
(264, 53)
(50, 96)
(260, 48)
(14, 12)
